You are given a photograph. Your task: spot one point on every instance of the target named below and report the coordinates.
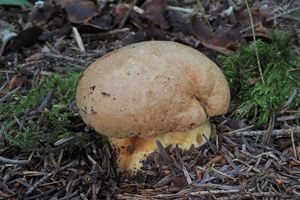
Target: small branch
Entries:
(13, 162)
(122, 23)
(286, 118)
(277, 133)
(45, 177)
(180, 9)
(108, 33)
(64, 58)
(291, 98)
(8, 94)
(225, 175)
(284, 13)
(255, 46)
(293, 143)
(271, 18)
(36, 184)
(187, 175)
(45, 101)
(78, 40)
(268, 134)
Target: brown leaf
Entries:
(26, 38)
(235, 123)
(225, 40)
(190, 24)
(34, 57)
(41, 13)
(283, 143)
(242, 181)
(179, 182)
(80, 11)
(155, 11)
(186, 39)
(155, 32)
(294, 163)
(119, 12)
(180, 21)
(279, 182)
(103, 23)
(15, 81)
(199, 174)
(199, 28)
(259, 15)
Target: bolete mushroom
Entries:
(150, 91)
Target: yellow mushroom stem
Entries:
(132, 151)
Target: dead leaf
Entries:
(259, 15)
(294, 163)
(119, 12)
(242, 181)
(155, 32)
(26, 38)
(235, 123)
(199, 174)
(101, 4)
(179, 182)
(132, 38)
(15, 81)
(99, 24)
(155, 11)
(199, 28)
(41, 13)
(34, 57)
(180, 22)
(283, 143)
(225, 40)
(279, 182)
(80, 11)
(186, 39)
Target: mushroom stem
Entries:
(132, 151)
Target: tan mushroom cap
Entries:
(150, 88)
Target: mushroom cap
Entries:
(149, 88)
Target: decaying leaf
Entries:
(26, 38)
(15, 81)
(99, 24)
(34, 57)
(119, 12)
(199, 28)
(41, 13)
(224, 40)
(259, 15)
(80, 11)
(180, 21)
(155, 11)
(179, 182)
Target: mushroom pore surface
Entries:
(150, 88)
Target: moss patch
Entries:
(49, 125)
(280, 66)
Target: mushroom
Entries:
(148, 91)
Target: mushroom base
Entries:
(132, 151)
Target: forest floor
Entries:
(46, 150)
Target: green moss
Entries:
(45, 127)
(278, 62)
(2, 79)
